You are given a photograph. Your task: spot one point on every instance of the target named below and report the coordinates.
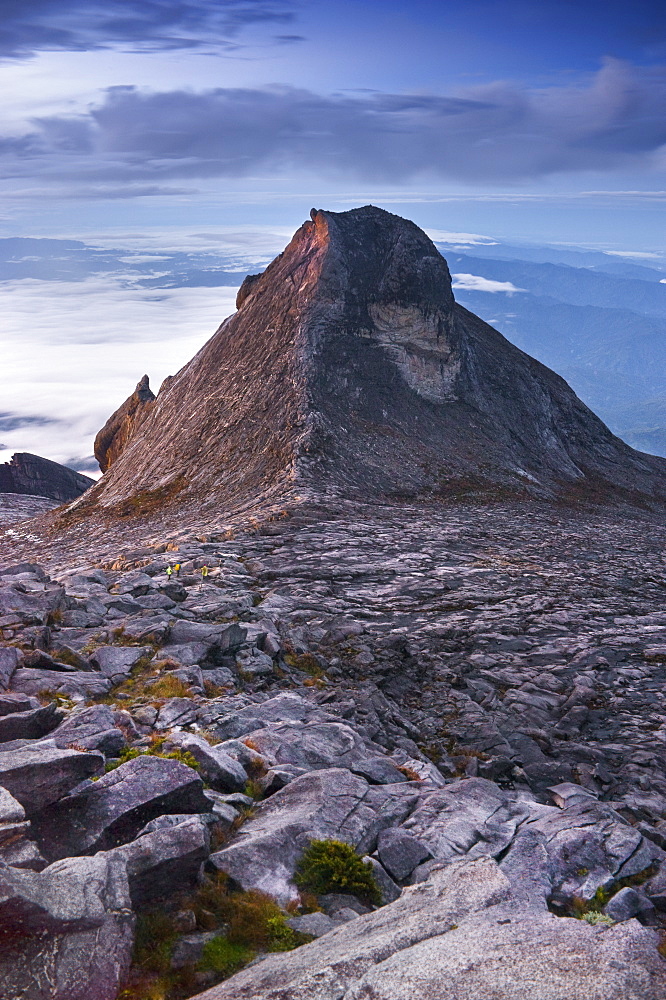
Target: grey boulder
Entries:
(221, 771)
(116, 662)
(166, 861)
(314, 924)
(112, 811)
(92, 728)
(10, 657)
(40, 775)
(75, 931)
(30, 725)
(400, 853)
(316, 745)
(221, 639)
(16, 848)
(30, 680)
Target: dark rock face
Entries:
(31, 475)
(114, 436)
(350, 371)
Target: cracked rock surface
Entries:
(470, 689)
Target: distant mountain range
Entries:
(596, 318)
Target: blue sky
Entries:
(535, 121)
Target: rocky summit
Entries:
(347, 679)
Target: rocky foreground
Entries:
(471, 696)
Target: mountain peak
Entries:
(349, 371)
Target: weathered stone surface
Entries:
(14, 701)
(221, 638)
(320, 805)
(189, 949)
(186, 653)
(473, 817)
(30, 681)
(589, 846)
(116, 662)
(16, 848)
(10, 657)
(67, 932)
(389, 890)
(176, 712)
(40, 775)
(315, 746)
(93, 728)
(630, 902)
(30, 725)
(220, 770)
(164, 862)
(111, 811)
(28, 601)
(315, 924)
(400, 853)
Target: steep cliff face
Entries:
(349, 370)
(112, 440)
(31, 475)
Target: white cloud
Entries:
(73, 351)
(475, 283)
(643, 254)
(443, 236)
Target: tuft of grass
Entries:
(333, 866)
(213, 690)
(246, 923)
(305, 662)
(62, 700)
(593, 917)
(131, 753)
(224, 957)
(170, 687)
(254, 790)
(410, 774)
(149, 501)
(154, 941)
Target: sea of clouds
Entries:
(73, 351)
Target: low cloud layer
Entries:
(137, 141)
(141, 25)
(73, 351)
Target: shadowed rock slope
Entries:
(31, 475)
(350, 372)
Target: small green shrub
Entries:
(333, 866)
(593, 917)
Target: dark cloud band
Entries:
(82, 25)
(495, 132)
